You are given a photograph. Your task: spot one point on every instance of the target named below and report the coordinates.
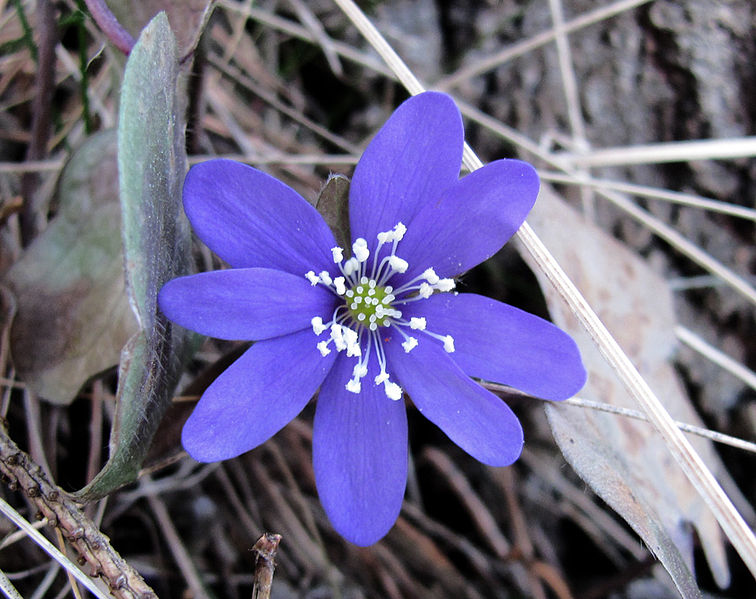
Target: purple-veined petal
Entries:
(503, 344)
(251, 219)
(471, 221)
(475, 419)
(411, 160)
(359, 453)
(255, 397)
(244, 303)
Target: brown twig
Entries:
(41, 115)
(22, 473)
(265, 564)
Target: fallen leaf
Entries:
(73, 317)
(187, 18)
(624, 461)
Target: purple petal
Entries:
(471, 220)
(244, 303)
(411, 160)
(475, 419)
(251, 219)
(359, 452)
(255, 397)
(500, 343)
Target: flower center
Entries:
(369, 303)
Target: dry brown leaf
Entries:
(625, 461)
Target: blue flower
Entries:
(369, 328)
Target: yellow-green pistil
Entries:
(367, 302)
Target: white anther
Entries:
(417, 323)
(448, 344)
(398, 264)
(358, 299)
(317, 325)
(360, 249)
(350, 335)
(388, 289)
(385, 236)
(353, 305)
(445, 284)
(349, 293)
(323, 348)
(361, 316)
(312, 277)
(359, 371)
(371, 284)
(386, 322)
(425, 290)
(351, 265)
(382, 377)
(340, 287)
(326, 278)
(409, 344)
(399, 231)
(338, 254)
(430, 275)
(364, 280)
(350, 338)
(338, 337)
(354, 386)
(373, 326)
(393, 390)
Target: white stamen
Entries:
(340, 287)
(430, 275)
(399, 231)
(326, 278)
(381, 378)
(312, 277)
(410, 344)
(393, 390)
(417, 323)
(323, 348)
(351, 265)
(398, 264)
(317, 325)
(359, 371)
(337, 336)
(354, 386)
(445, 284)
(361, 316)
(448, 344)
(338, 254)
(425, 291)
(360, 249)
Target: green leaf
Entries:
(157, 248)
(333, 205)
(73, 317)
